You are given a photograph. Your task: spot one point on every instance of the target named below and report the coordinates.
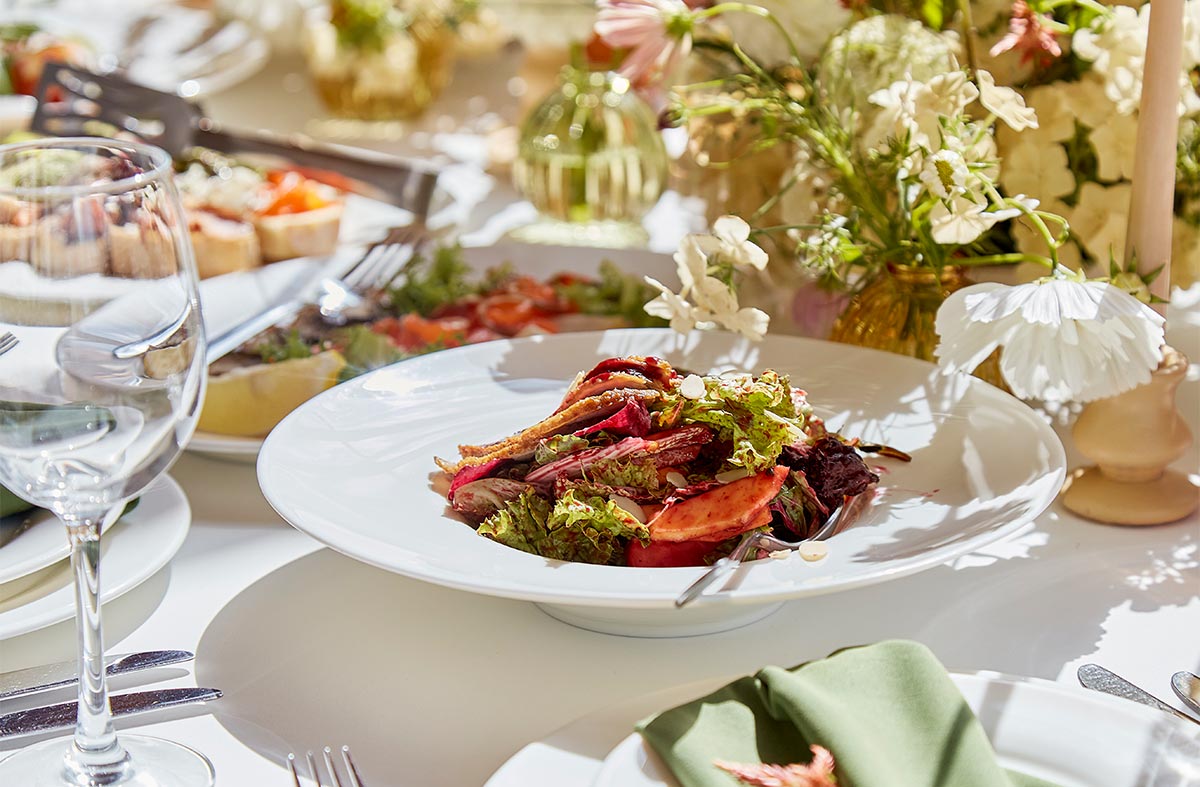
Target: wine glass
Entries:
(98, 396)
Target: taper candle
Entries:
(1152, 209)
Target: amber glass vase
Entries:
(896, 312)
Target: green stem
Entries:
(753, 10)
(969, 33)
(1006, 259)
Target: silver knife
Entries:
(62, 716)
(35, 680)
(1096, 678)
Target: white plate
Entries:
(353, 467)
(231, 298)
(42, 544)
(161, 45)
(1071, 737)
(133, 551)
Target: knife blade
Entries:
(35, 680)
(1097, 678)
(62, 716)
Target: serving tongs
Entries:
(76, 102)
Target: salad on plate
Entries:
(435, 302)
(646, 465)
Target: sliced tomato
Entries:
(506, 313)
(667, 554)
(291, 192)
(25, 68)
(413, 332)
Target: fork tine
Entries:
(312, 767)
(327, 754)
(360, 271)
(351, 769)
(390, 268)
(291, 763)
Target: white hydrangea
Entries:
(1100, 218)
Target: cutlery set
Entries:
(38, 680)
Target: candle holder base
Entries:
(1132, 438)
(1092, 495)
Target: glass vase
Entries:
(896, 311)
(591, 160)
(392, 77)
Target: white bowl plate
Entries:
(354, 469)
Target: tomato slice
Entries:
(669, 554)
(292, 193)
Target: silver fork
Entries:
(7, 342)
(375, 269)
(352, 777)
(842, 516)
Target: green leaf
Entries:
(430, 282)
(558, 446)
(280, 346)
(578, 527)
(614, 294)
(365, 350)
(754, 414)
(637, 472)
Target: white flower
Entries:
(717, 302)
(963, 221)
(1005, 103)
(1116, 48)
(1063, 339)
(1100, 218)
(730, 242)
(670, 306)
(1088, 101)
(1052, 103)
(691, 264)
(897, 115)
(945, 174)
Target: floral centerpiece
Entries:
(900, 185)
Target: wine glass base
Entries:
(153, 763)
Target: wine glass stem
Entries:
(96, 757)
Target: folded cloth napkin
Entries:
(888, 713)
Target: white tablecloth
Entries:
(435, 687)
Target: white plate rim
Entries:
(368, 550)
(47, 557)
(123, 570)
(523, 768)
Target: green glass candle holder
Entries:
(591, 159)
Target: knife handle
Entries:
(63, 715)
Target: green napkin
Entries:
(11, 504)
(889, 713)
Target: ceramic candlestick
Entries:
(1132, 437)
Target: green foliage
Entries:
(365, 350)
(429, 282)
(558, 446)
(280, 346)
(615, 294)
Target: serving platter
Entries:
(161, 45)
(1068, 736)
(354, 468)
(134, 549)
(227, 300)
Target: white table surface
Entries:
(436, 688)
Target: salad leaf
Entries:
(281, 346)
(615, 294)
(577, 527)
(364, 350)
(520, 524)
(756, 415)
(430, 282)
(586, 528)
(558, 446)
(797, 504)
(637, 472)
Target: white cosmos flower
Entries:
(670, 306)
(717, 302)
(691, 263)
(963, 220)
(1063, 339)
(1005, 103)
(945, 174)
(730, 241)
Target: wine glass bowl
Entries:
(100, 393)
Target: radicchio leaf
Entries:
(834, 469)
(632, 420)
